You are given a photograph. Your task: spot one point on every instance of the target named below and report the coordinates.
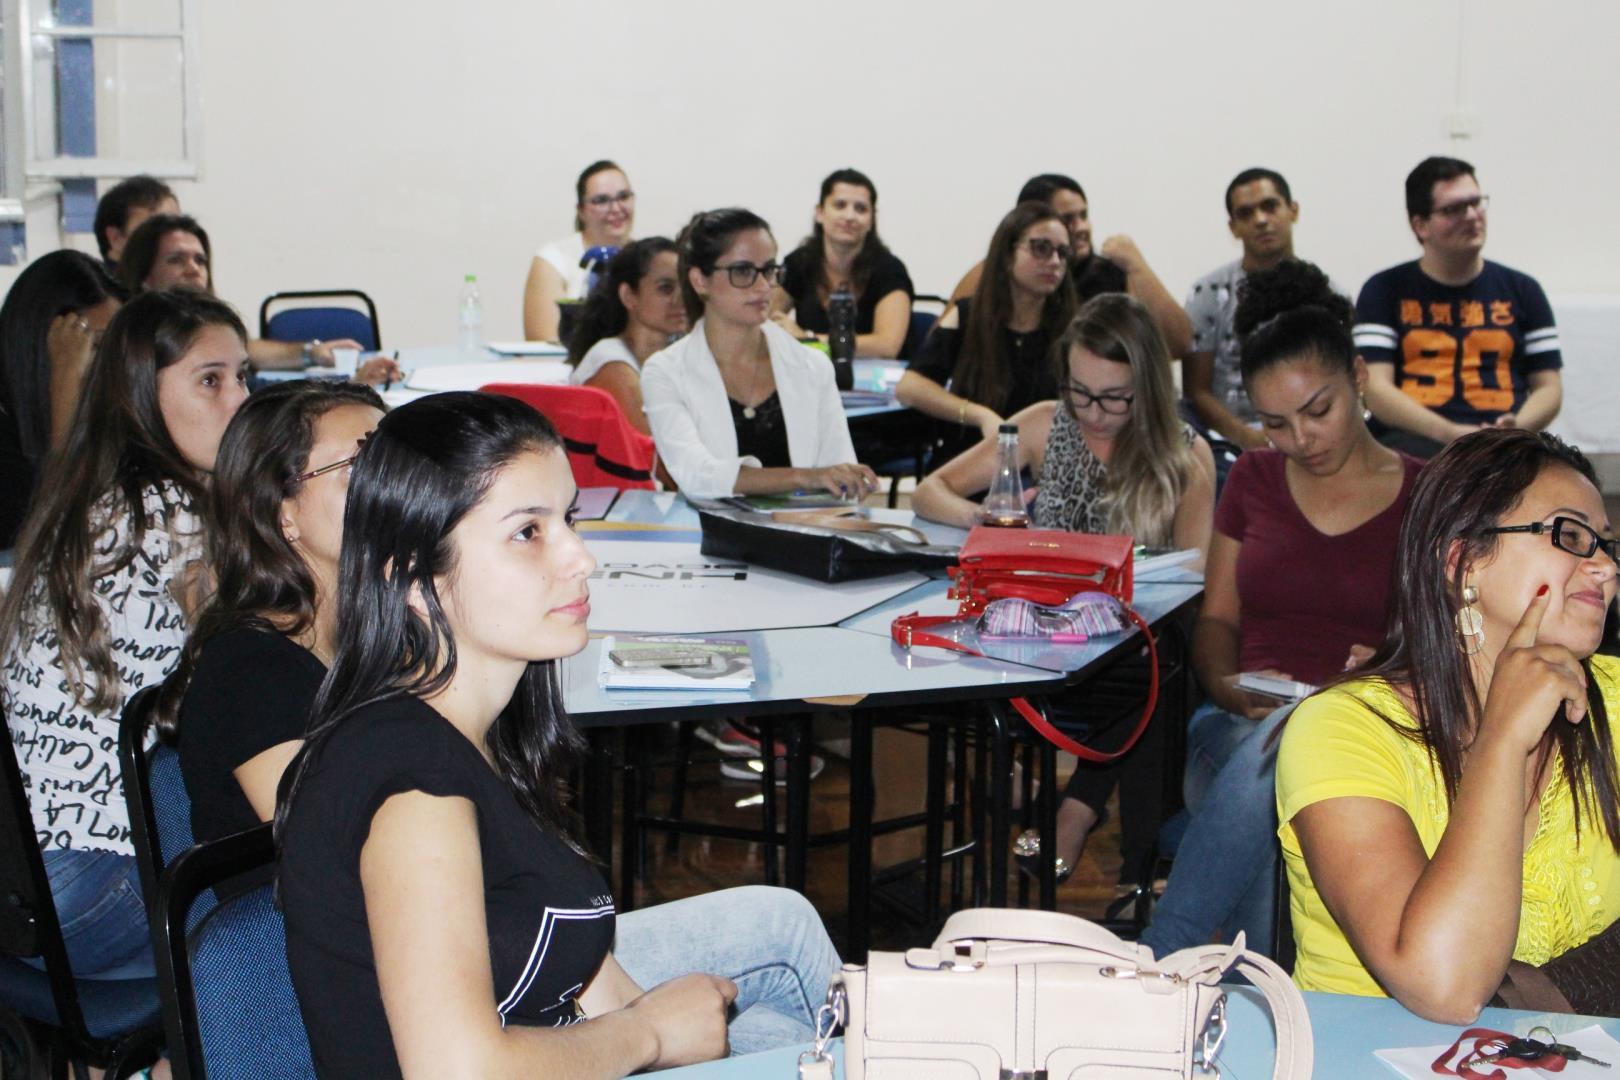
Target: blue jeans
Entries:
(1222, 880)
(770, 942)
(98, 903)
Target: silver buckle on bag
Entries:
(1214, 1036)
(816, 1060)
(963, 956)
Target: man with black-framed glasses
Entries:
(1453, 342)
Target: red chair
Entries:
(603, 449)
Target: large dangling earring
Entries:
(1470, 624)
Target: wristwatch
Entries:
(309, 350)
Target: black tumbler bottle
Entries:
(841, 338)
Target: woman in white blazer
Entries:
(738, 406)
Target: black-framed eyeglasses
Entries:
(1458, 210)
(360, 444)
(1042, 249)
(742, 275)
(1571, 535)
(603, 201)
(1113, 404)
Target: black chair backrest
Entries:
(132, 759)
(28, 924)
(242, 959)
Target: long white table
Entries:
(1347, 1030)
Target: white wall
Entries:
(396, 145)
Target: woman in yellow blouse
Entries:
(1455, 804)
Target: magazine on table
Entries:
(675, 663)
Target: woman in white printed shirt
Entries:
(97, 606)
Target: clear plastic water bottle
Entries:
(1004, 506)
(470, 335)
(841, 337)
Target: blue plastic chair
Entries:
(326, 322)
(227, 996)
(231, 984)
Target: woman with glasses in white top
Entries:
(604, 216)
(738, 406)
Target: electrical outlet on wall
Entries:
(1461, 124)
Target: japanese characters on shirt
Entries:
(1464, 351)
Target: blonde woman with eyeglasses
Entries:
(1111, 456)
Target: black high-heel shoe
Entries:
(1027, 850)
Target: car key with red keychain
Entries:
(1501, 1051)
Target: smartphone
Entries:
(1273, 687)
(675, 656)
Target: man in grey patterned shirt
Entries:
(1261, 213)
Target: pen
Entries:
(389, 381)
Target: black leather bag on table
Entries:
(825, 545)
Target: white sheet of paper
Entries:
(473, 376)
(1416, 1062)
(651, 587)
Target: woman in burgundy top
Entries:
(1296, 586)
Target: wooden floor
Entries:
(702, 864)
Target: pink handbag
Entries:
(1009, 994)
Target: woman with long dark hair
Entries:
(1325, 493)
(97, 607)
(239, 701)
(844, 253)
(988, 357)
(634, 310)
(737, 406)
(54, 314)
(440, 918)
(1455, 804)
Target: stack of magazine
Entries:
(675, 663)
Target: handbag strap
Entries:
(1034, 927)
(905, 632)
(847, 520)
(1296, 1047)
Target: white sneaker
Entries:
(753, 768)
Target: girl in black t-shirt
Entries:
(439, 917)
(242, 691)
(989, 358)
(844, 253)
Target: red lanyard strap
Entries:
(905, 632)
(1483, 1040)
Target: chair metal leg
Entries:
(934, 828)
(859, 890)
(767, 783)
(685, 742)
(798, 801)
(1000, 798)
(959, 807)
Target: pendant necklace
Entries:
(749, 412)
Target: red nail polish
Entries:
(1541, 592)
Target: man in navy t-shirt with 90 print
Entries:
(1452, 342)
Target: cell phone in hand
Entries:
(1272, 687)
